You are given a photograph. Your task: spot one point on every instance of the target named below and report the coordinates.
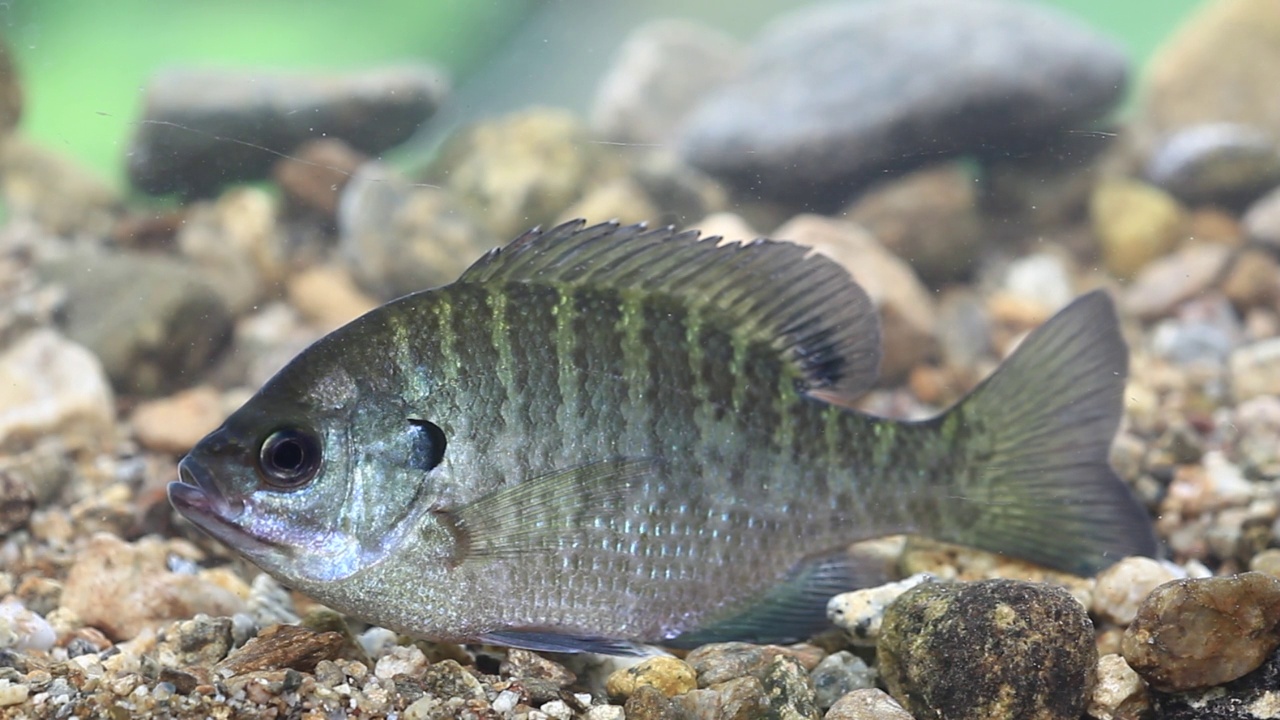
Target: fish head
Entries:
(310, 484)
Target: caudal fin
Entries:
(1039, 484)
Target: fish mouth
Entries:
(196, 495)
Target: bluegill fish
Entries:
(599, 437)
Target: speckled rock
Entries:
(838, 675)
(1121, 588)
(908, 319)
(523, 664)
(789, 691)
(1198, 633)
(1136, 223)
(929, 218)
(1119, 693)
(669, 675)
(52, 386)
(396, 238)
(176, 423)
(720, 662)
(860, 612)
(1252, 697)
(990, 649)
(738, 699)
(201, 641)
(1229, 164)
(180, 146)
(17, 500)
(123, 588)
(524, 169)
(869, 704)
(154, 322)
(835, 95)
(658, 74)
(650, 703)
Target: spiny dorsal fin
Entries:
(804, 304)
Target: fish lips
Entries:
(196, 495)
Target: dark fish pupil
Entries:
(428, 445)
(289, 458)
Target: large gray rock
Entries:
(834, 96)
(202, 129)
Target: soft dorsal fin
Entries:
(804, 304)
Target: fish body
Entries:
(605, 436)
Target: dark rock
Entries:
(282, 646)
(448, 679)
(834, 96)
(681, 194)
(989, 649)
(929, 218)
(153, 321)
(1227, 164)
(789, 691)
(202, 129)
(16, 502)
(1197, 633)
(1252, 697)
(397, 238)
(660, 72)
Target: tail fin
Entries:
(1039, 479)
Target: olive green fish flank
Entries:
(601, 437)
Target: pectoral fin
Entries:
(546, 514)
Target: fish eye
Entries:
(289, 458)
(428, 445)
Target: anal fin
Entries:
(794, 609)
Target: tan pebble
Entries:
(727, 225)
(1214, 225)
(1254, 280)
(860, 612)
(667, 674)
(12, 693)
(1119, 693)
(401, 660)
(1199, 633)
(1121, 588)
(620, 199)
(1267, 561)
(327, 296)
(1163, 284)
(1135, 223)
(176, 423)
(867, 704)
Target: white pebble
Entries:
(1121, 588)
(400, 660)
(604, 712)
(861, 611)
(12, 693)
(1119, 691)
(558, 710)
(377, 641)
(505, 702)
(22, 629)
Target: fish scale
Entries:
(605, 436)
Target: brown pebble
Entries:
(867, 704)
(327, 296)
(176, 423)
(282, 646)
(184, 682)
(16, 502)
(1202, 632)
(315, 174)
(649, 703)
(522, 664)
(720, 662)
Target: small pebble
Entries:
(839, 674)
(867, 704)
(523, 664)
(604, 712)
(649, 703)
(860, 612)
(1135, 222)
(1121, 588)
(23, 629)
(401, 660)
(719, 662)
(12, 693)
(788, 690)
(1119, 693)
(1197, 633)
(669, 675)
